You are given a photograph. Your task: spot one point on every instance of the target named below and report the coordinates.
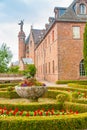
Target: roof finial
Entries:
(21, 25)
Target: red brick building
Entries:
(57, 51)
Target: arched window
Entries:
(82, 70)
(82, 9)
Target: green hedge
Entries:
(75, 107)
(49, 94)
(70, 122)
(8, 94)
(54, 93)
(77, 86)
(67, 89)
(83, 101)
(8, 84)
(33, 107)
(84, 82)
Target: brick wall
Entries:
(70, 51)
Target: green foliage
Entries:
(13, 69)
(75, 95)
(83, 82)
(31, 107)
(30, 71)
(54, 93)
(63, 97)
(82, 101)
(5, 58)
(85, 48)
(77, 86)
(6, 85)
(81, 108)
(73, 122)
(10, 88)
(8, 94)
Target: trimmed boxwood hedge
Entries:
(49, 94)
(70, 122)
(77, 86)
(8, 84)
(75, 107)
(83, 101)
(67, 89)
(84, 82)
(54, 93)
(32, 107)
(8, 94)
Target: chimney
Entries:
(46, 26)
(56, 11)
(51, 19)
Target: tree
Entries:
(5, 58)
(85, 49)
(13, 69)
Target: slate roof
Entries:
(65, 14)
(27, 40)
(70, 14)
(27, 61)
(37, 35)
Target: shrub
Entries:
(10, 88)
(81, 108)
(77, 86)
(32, 107)
(84, 82)
(54, 93)
(71, 122)
(63, 97)
(75, 95)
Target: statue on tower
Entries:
(21, 25)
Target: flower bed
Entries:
(42, 112)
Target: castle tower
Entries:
(21, 41)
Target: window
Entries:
(53, 65)
(49, 67)
(82, 9)
(76, 32)
(49, 39)
(46, 68)
(82, 70)
(52, 36)
(30, 43)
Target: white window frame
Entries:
(82, 9)
(76, 32)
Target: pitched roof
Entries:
(27, 40)
(70, 14)
(37, 34)
(27, 61)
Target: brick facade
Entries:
(58, 50)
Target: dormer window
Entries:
(82, 9)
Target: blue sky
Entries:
(34, 12)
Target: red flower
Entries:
(27, 114)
